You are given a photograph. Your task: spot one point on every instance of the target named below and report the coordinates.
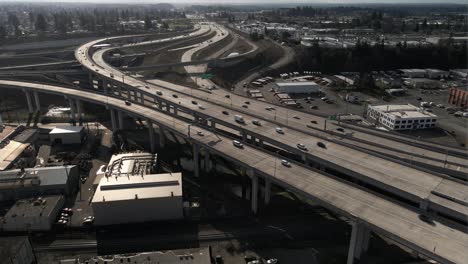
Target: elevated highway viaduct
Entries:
(368, 210)
(397, 179)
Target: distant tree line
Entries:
(366, 58)
(19, 20)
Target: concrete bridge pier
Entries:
(196, 160)
(71, 103)
(36, 100)
(120, 119)
(162, 138)
(359, 242)
(254, 190)
(29, 101)
(113, 120)
(207, 162)
(151, 135)
(267, 191)
(129, 94)
(79, 107)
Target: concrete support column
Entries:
(120, 118)
(91, 81)
(175, 110)
(151, 135)
(260, 143)
(71, 103)
(267, 191)
(129, 94)
(113, 121)
(142, 98)
(104, 85)
(244, 136)
(79, 108)
(213, 124)
(359, 238)
(168, 108)
(29, 101)
(162, 138)
(207, 161)
(36, 100)
(254, 192)
(196, 160)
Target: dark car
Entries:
(226, 112)
(194, 102)
(128, 103)
(320, 144)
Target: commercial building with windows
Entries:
(401, 117)
(458, 96)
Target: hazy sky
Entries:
(246, 1)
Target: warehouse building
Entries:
(67, 135)
(413, 73)
(16, 250)
(34, 214)
(297, 87)
(424, 83)
(23, 183)
(133, 199)
(401, 117)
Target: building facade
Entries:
(458, 97)
(401, 117)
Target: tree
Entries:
(41, 23)
(148, 22)
(14, 22)
(3, 32)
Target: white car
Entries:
(279, 130)
(272, 261)
(286, 163)
(256, 122)
(301, 147)
(237, 143)
(200, 133)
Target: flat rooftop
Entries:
(403, 111)
(296, 83)
(10, 153)
(34, 207)
(43, 176)
(138, 187)
(10, 246)
(66, 129)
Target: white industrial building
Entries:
(297, 87)
(34, 214)
(401, 117)
(67, 135)
(436, 74)
(424, 83)
(133, 199)
(16, 250)
(413, 73)
(16, 184)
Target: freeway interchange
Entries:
(386, 195)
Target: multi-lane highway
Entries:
(394, 220)
(402, 180)
(389, 181)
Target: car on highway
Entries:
(175, 96)
(239, 119)
(296, 117)
(272, 261)
(441, 106)
(225, 112)
(201, 107)
(127, 102)
(227, 96)
(245, 106)
(301, 147)
(247, 102)
(279, 130)
(194, 102)
(314, 107)
(159, 92)
(324, 98)
(237, 143)
(200, 133)
(340, 129)
(256, 122)
(146, 86)
(89, 220)
(270, 108)
(321, 144)
(286, 163)
(112, 75)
